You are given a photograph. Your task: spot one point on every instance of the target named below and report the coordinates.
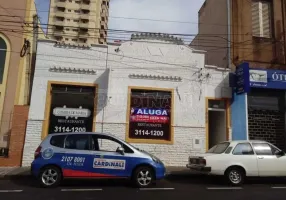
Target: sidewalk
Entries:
(24, 172)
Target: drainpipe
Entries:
(229, 32)
(106, 97)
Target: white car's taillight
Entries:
(203, 162)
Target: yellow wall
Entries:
(25, 62)
(5, 75)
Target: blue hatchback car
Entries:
(93, 155)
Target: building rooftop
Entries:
(157, 36)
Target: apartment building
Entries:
(249, 35)
(81, 22)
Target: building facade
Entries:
(16, 49)
(152, 91)
(78, 21)
(250, 32)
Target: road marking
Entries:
(279, 187)
(11, 190)
(79, 190)
(156, 188)
(225, 188)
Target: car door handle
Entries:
(260, 157)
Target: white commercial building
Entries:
(152, 91)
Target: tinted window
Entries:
(243, 149)
(219, 148)
(58, 141)
(79, 142)
(262, 149)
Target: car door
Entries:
(107, 162)
(280, 160)
(76, 159)
(244, 156)
(266, 160)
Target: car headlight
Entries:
(155, 159)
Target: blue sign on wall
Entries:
(242, 78)
(261, 78)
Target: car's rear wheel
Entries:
(235, 176)
(50, 176)
(143, 177)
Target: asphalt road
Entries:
(185, 187)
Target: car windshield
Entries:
(219, 148)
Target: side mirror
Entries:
(279, 153)
(120, 150)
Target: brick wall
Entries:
(32, 141)
(268, 126)
(17, 137)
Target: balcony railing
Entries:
(85, 7)
(84, 16)
(58, 32)
(60, 14)
(61, 4)
(83, 25)
(59, 23)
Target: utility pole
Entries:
(34, 54)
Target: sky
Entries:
(154, 15)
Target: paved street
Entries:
(174, 187)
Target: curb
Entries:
(15, 177)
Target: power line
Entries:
(9, 12)
(134, 18)
(121, 30)
(206, 42)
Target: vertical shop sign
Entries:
(242, 78)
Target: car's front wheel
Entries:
(143, 177)
(235, 176)
(50, 176)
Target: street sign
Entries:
(242, 78)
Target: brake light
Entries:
(203, 162)
(37, 152)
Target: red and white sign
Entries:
(150, 119)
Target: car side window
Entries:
(108, 144)
(243, 149)
(274, 149)
(77, 141)
(58, 141)
(228, 150)
(262, 149)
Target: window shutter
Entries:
(266, 19)
(255, 19)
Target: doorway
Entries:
(217, 121)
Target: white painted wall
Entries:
(189, 95)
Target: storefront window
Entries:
(150, 115)
(72, 109)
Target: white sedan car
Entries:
(239, 159)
